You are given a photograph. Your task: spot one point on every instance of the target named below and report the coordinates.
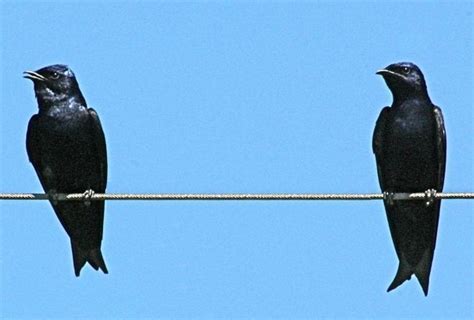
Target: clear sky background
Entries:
(237, 98)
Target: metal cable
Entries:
(229, 196)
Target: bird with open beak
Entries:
(66, 145)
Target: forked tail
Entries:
(421, 271)
(81, 256)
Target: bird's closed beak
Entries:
(33, 76)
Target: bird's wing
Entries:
(440, 146)
(33, 148)
(97, 135)
(32, 143)
(377, 142)
(391, 210)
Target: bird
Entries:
(66, 145)
(409, 143)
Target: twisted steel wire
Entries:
(230, 196)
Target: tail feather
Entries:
(96, 260)
(404, 273)
(422, 271)
(81, 256)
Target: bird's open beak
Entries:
(384, 72)
(33, 76)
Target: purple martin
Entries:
(409, 143)
(66, 145)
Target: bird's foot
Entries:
(87, 195)
(430, 195)
(53, 196)
(388, 197)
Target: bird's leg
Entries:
(430, 197)
(87, 195)
(388, 197)
(53, 196)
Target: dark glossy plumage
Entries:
(409, 143)
(66, 145)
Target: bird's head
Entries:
(404, 79)
(54, 84)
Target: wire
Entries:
(229, 196)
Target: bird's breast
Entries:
(410, 145)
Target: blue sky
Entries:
(235, 97)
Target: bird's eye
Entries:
(406, 70)
(54, 75)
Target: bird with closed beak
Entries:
(409, 143)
